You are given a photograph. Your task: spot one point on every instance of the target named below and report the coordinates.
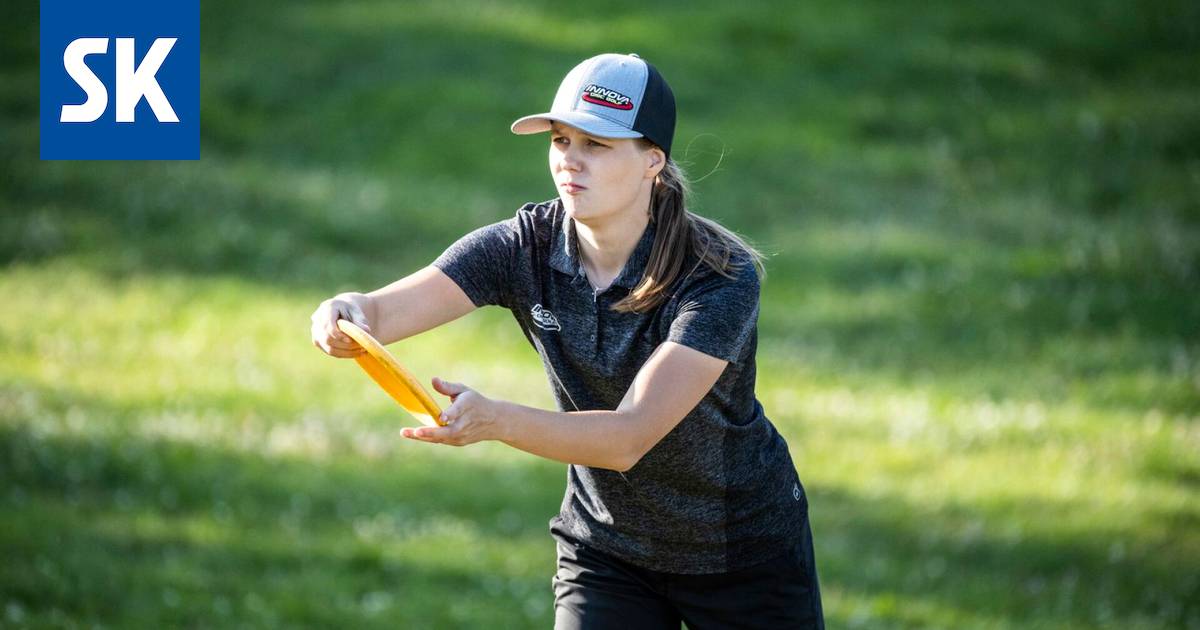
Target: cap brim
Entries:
(589, 123)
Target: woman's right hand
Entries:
(325, 334)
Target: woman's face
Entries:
(601, 177)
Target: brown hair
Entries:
(679, 235)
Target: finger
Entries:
(330, 327)
(351, 351)
(448, 388)
(429, 434)
(339, 312)
(341, 336)
(452, 413)
(341, 345)
(411, 433)
(332, 335)
(321, 333)
(338, 350)
(343, 354)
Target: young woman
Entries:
(682, 502)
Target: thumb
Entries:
(351, 313)
(357, 316)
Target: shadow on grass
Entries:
(99, 564)
(1030, 564)
(118, 527)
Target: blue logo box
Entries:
(120, 80)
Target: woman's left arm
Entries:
(667, 387)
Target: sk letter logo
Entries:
(120, 80)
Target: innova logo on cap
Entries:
(120, 80)
(609, 98)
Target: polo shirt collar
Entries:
(564, 255)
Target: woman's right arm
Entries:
(406, 307)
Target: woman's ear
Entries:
(658, 161)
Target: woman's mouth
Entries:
(573, 189)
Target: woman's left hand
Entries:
(471, 417)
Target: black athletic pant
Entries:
(595, 591)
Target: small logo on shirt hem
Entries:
(796, 492)
(544, 318)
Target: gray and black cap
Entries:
(611, 96)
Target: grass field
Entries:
(980, 331)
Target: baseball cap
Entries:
(611, 96)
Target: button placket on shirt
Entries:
(595, 335)
(599, 306)
(581, 282)
(597, 313)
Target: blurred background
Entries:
(979, 331)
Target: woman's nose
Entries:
(569, 160)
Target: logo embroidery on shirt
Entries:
(544, 318)
(796, 492)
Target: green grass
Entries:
(978, 333)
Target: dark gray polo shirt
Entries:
(719, 492)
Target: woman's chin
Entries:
(574, 209)
(583, 212)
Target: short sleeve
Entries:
(482, 262)
(720, 315)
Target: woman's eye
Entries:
(563, 140)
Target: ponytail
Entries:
(681, 235)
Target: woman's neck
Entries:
(605, 247)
